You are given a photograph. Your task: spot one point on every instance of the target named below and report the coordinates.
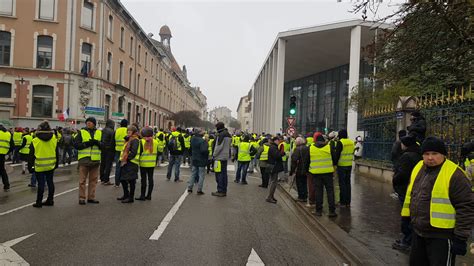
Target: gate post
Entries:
(405, 106)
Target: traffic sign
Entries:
(117, 117)
(291, 131)
(291, 121)
(96, 112)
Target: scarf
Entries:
(148, 144)
(126, 149)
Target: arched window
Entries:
(44, 54)
(42, 101)
(110, 28)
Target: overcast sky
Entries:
(224, 43)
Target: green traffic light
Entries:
(292, 111)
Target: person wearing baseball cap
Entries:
(440, 206)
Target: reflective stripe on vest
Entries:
(148, 159)
(211, 141)
(187, 142)
(161, 143)
(320, 160)
(5, 138)
(45, 154)
(120, 134)
(136, 159)
(26, 148)
(244, 152)
(442, 212)
(264, 155)
(92, 152)
(17, 136)
(347, 153)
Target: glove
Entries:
(458, 246)
(96, 142)
(90, 143)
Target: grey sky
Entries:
(224, 43)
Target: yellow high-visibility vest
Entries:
(26, 148)
(17, 138)
(309, 141)
(136, 159)
(5, 138)
(320, 160)
(244, 152)
(211, 141)
(176, 135)
(347, 153)
(442, 212)
(45, 154)
(161, 143)
(264, 154)
(187, 142)
(148, 159)
(217, 166)
(94, 151)
(120, 134)
(255, 145)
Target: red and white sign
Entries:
(291, 121)
(291, 131)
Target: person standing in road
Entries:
(6, 146)
(119, 137)
(262, 156)
(187, 147)
(108, 152)
(253, 161)
(129, 161)
(199, 155)
(210, 145)
(275, 166)
(344, 155)
(67, 145)
(440, 205)
(148, 159)
(160, 138)
(300, 167)
(88, 143)
(175, 147)
(25, 150)
(244, 156)
(221, 156)
(17, 137)
(44, 158)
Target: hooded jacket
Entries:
(108, 139)
(299, 160)
(199, 151)
(222, 145)
(275, 158)
(45, 136)
(401, 178)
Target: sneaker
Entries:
(332, 214)
(148, 197)
(31, 185)
(236, 181)
(108, 183)
(178, 180)
(401, 246)
(48, 203)
(218, 194)
(121, 198)
(271, 201)
(93, 201)
(128, 200)
(6, 189)
(82, 202)
(37, 205)
(200, 193)
(190, 191)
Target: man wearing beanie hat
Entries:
(220, 156)
(344, 155)
(89, 145)
(6, 146)
(108, 152)
(410, 157)
(440, 206)
(119, 137)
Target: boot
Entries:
(128, 200)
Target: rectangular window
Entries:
(46, 9)
(6, 7)
(121, 73)
(5, 44)
(42, 101)
(86, 56)
(5, 90)
(44, 56)
(131, 46)
(87, 18)
(129, 111)
(110, 28)
(122, 36)
(146, 59)
(130, 73)
(139, 52)
(109, 66)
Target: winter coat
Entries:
(79, 145)
(222, 145)
(299, 160)
(129, 171)
(275, 162)
(461, 198)
(45, 136)
(401, 178)
(108, 136)
(199, 151)
(396, 153)
(12, 143)
(262, 164)
(418, 129)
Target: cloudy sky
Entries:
(224, 43)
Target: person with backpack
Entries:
(199, 154)
(148, 158)
(245, 150)
(175, 147)
(66, 143)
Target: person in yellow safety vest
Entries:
(344, 155)
(119, 137)
(17, 136)
(43, 160)
(160, 138)
(6, 146)
(187, 148)
(129, 161)
(210, 144)
(25, 150)
(285, 146)
(440, 206)
(88, 143)
(148, 158)
(467, 152)
(309, 140)
(175, 146)
(245, 150)
(321, 167)
(253, 161)
(262, 157)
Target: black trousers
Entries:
(430, 251)
(321, 181)
(265, 176)
(302, 186)
(106, 162)
(45, 177)
(146, 173)
(128, 194)
(3, 172)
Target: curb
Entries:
(346, 246)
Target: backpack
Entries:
(173, 144)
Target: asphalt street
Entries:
(205, 230)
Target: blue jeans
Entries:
(242, 171)
(221, 178)
(117, 168)
(45, 177)
(197, 172)
(33, 180)
(175, 161)
(344, 176)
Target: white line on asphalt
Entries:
(165, 222)
(254, 259)
(19, 164)
(8, 256)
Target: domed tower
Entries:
(165, 34)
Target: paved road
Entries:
(205, 230)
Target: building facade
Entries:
(320, 66)
(76, 57)
(244, 112)
(221, 114)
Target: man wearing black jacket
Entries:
(108, 152)
(6, 146)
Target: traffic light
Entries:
(293, 105)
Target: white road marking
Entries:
(59, 165)
(254, 259)
(165, 222)
(8, 256)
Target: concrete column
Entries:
(280, 82)
(354, 69)
(265, 98)
(274, 117)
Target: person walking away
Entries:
(440, 206)
(300, 167)
(401, 178)
(108, 152)
(129, 161)
(44, 158)
(6, 146)
(119, 138)
(148, 159)
(25, 150)
(66, 143)
(210, 145)
(175, 147)
(221, 156)
(17, 137)
(417, 127)
(199, 154)
(160, 138)
(244, 156)
(262, 157)
(253, 161)
(321, 167)
(88, 143)
(284, 147)
(187, 147)
(344, 156)
(275, 166)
